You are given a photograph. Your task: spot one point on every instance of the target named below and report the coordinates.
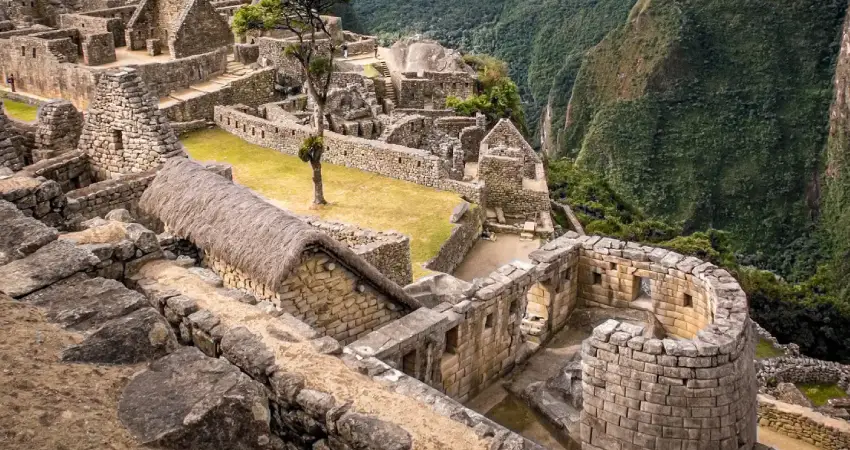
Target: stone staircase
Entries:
(233, 71)
(389, 88)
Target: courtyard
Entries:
(356, 197)
(19, 110)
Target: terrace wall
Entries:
(394, 161)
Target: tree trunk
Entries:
(316, 160)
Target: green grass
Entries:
(356, 197)
(764, 350)
(819, 393)
(20, 111)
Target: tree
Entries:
(314, 48)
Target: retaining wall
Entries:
(463, 238)
(393, 161)
(804, 424)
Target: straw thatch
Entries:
(233, 224)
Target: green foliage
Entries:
(712, 113)
(765, 350)
(264, 15)
(806, 313)
(542, 41)
(600, 209)
(500, 97)
(819, 393)
(311, 148)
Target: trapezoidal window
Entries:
(488, 321)
(23, 51)
(118, 139)
(451, 341)
(408, 363)
(688, 300)
(597, 278)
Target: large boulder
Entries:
(143, 335)
(21, 235)
(81, 303)
(188, 400)
(51, 263)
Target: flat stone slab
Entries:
(21, 235)
(189, 400)
(81, 303)
(51, 263)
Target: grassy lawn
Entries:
(819, 393)
(19, 111)
(764, 350)
(356, 197)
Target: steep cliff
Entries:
(837, 175)
(713, 113)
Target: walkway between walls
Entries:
(487, 256)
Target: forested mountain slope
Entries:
(542, 41)
(715, 113)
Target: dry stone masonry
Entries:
(124, 131)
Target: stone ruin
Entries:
(124, 130)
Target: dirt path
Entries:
(781, 442)
(487, 256)
(47, 404)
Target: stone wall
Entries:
(804, 424)
(70, 170)
(394, 161)
(124, 131)
(252, 90)
(430, 89)
(653, 393)
(312, 418)
(44, 67)
(99, 198)
(165, 77)
(389, 252)
(13, 154)
(58, 130)
(36, 197)
(464, 235)
(97, 23)
(198, 29)
(323, 293)
(98, 49)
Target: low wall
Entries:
(36, 197)
(393, 161)
(389, 252)
(803, 423)
(463, 238)
(70, 170)
(177, 74)
(100, 198)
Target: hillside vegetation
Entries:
(713, 113)
(542, 41)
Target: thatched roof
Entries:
(232, 223)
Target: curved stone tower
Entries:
(693, 390)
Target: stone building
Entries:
(512, 173)
(260, 248)
(58, 130)
(124, 130)
(184, 27)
